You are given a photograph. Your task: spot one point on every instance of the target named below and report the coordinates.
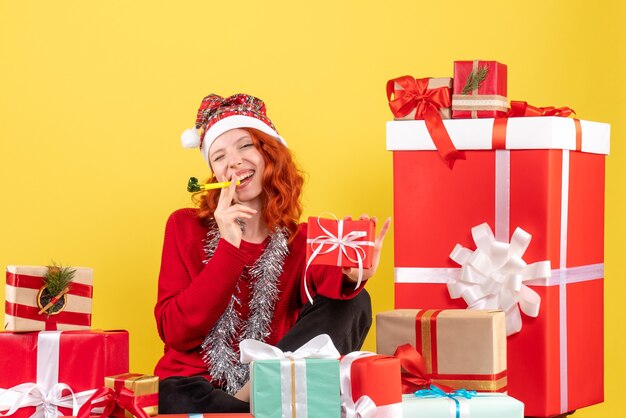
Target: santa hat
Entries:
(217, 115)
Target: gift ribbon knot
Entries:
(493, 276)
(523, 109)
(415, 95)
(435, 392)
(414, 374)
(46, 401)
(319, 347)
(363, 408)
(109, 398)
(350, 240)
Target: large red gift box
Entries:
(23, 285)
(489, 99)
(47, 365)
(342, 243)
(370, 385)
(544, 175)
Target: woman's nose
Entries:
(235, 162)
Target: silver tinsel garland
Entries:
(220, 349)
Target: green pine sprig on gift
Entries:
(474, 79)
(58, 278)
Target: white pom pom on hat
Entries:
(190, 138)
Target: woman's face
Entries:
(234, 154)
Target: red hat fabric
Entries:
(217, 115)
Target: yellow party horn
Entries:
(193, 186)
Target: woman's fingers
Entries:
(229, 214)
(383, 232)
(366, 217)
(227, 194)
(238, 210)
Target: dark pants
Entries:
(346, 321)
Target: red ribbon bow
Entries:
(426, 102)
(520, 108)
(110, 399)
(414, 375)
(523, 109)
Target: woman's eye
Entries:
(217, 158)
(246, 145)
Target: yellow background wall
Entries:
(94, 96)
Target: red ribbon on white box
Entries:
(47, 394)
(364, 407)
(561, 276)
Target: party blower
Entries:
(193, 186)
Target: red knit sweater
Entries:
(193, 295)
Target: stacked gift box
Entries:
(53, 363)
(501, 208)
(461, 358)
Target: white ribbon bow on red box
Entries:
(493, 276)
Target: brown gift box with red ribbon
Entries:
(24, 287)
(479, 89)
(425, 99)
(462, 349)
(145, 390)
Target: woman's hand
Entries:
(226, 214)
(352, 273)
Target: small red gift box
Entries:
(370, 384)
(24, 285)
(544, 175)
(479, 89)
(41, 368)
(332, 242)
(145, 391)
